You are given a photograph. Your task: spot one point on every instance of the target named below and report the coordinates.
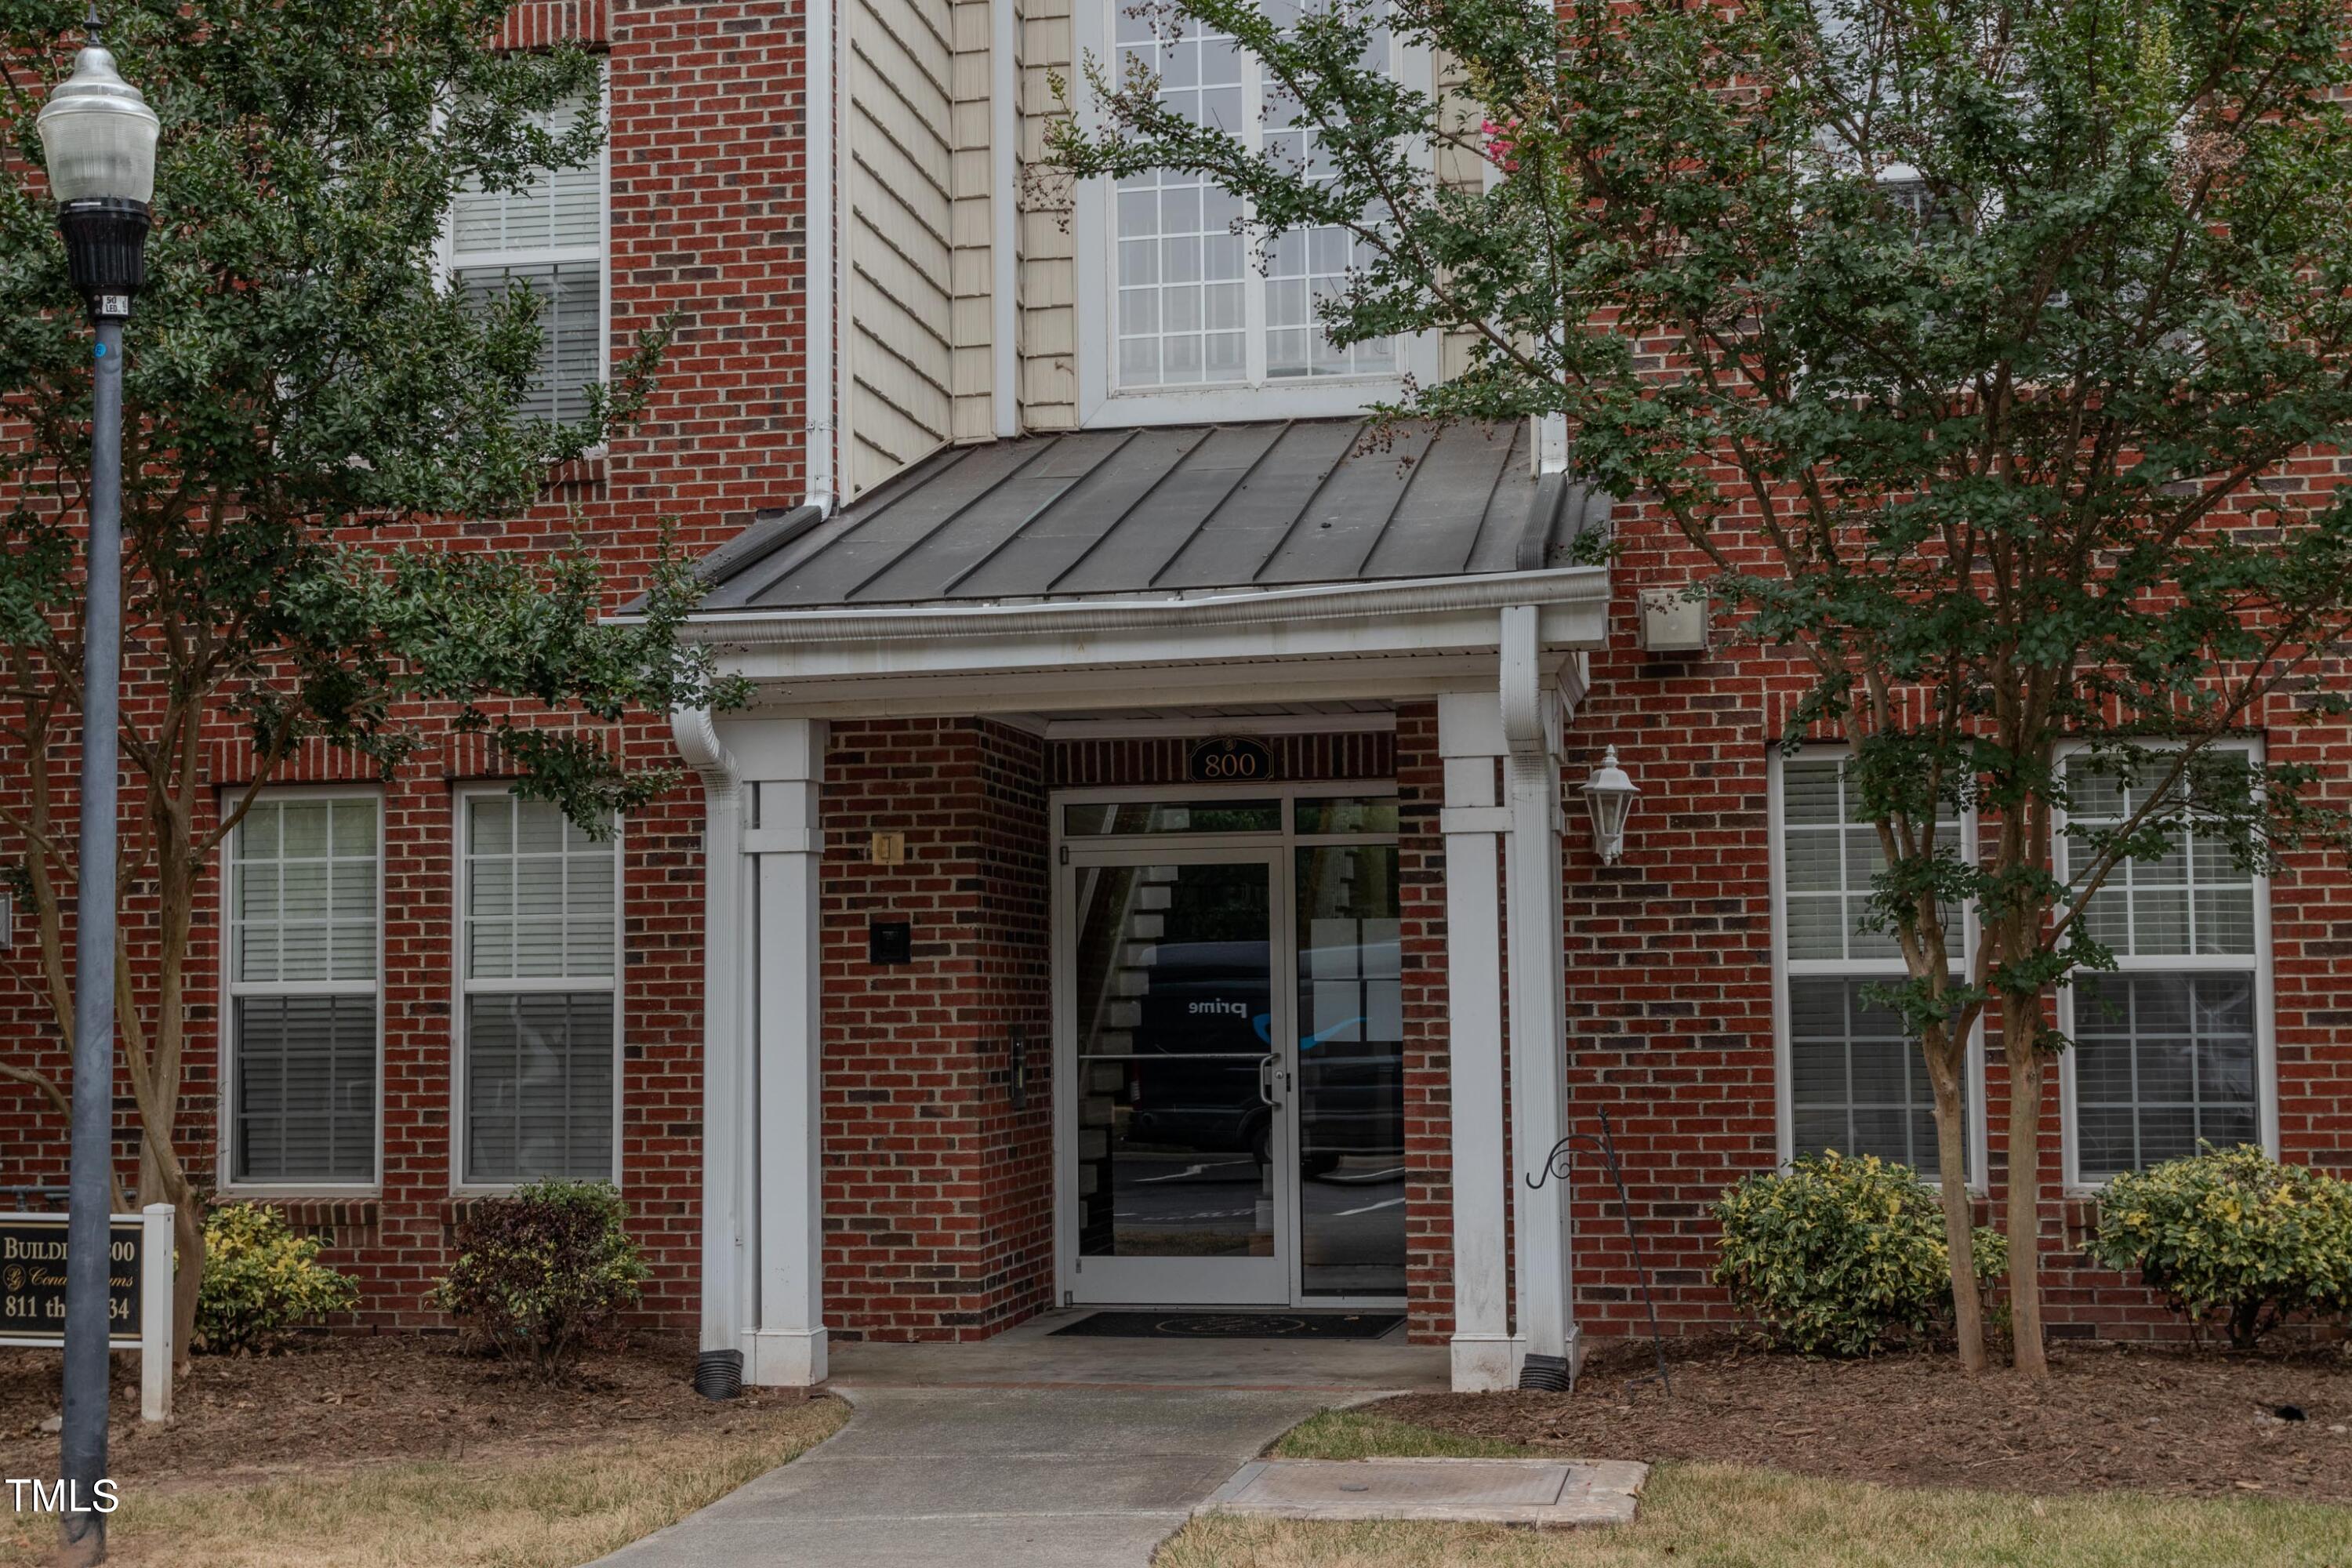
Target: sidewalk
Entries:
(1026, 1452)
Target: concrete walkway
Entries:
(1027, 1452)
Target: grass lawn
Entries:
(1728, 1516)
(496, 1510)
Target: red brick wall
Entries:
(938, 1199)
(707, 206)
(1428, 1097)
(1669, 978)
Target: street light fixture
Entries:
(97, 138)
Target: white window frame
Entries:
(2259, 962)
(1785, 968)
(446, 260)
(1304, 398)
(231, 988)
(461, 988)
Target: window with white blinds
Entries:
(1191, 307)
(2167, 1052)
(549, 237)
(540, 944)
(1856, 1079)
(304, 931)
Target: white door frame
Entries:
(1278, 847)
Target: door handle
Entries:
(1266, 1065)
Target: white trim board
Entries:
(1329, 642)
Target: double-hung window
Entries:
(2167, 1048)
(304, 938)
(538, 962)
(549, 237)
(1180, 305)
(1852, 1079)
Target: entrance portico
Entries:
(863, 647)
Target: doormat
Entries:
(1231, 1325)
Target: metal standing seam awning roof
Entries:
(1164, 511)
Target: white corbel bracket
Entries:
(1532, 716)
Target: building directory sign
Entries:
(33, 1278)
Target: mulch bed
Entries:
(332, 1401)
(2170, 1421)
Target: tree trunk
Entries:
(1959, 1204)
(2023, 1054)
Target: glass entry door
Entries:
(1229, 1015)
(1178, 1131)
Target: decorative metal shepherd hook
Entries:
(1561, 1165)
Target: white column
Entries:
(1531, 729)
(1469, 740)
(784, 844)
(727, 1128)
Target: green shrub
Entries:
(545, 1273)
(2234, 1235)
(261, 1278)
(1834, 1255)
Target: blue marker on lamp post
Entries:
(97, 140)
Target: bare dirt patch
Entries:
(2174, 1422)
(335, 1402)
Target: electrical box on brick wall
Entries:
(1674, 620)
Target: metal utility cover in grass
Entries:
(1552, 1493)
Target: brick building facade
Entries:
(993, 599)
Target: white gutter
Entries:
(1319, 602)
(818, 281)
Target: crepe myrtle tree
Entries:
(1972, 341)
(303, 387)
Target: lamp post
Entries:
(97, 137)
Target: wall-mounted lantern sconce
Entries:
(1609, 795)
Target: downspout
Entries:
(819, 284)
(728, 1092)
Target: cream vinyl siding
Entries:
(973, 223)
(899, 180)
(1458, 169)
(921, 221)
(1049, 264)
